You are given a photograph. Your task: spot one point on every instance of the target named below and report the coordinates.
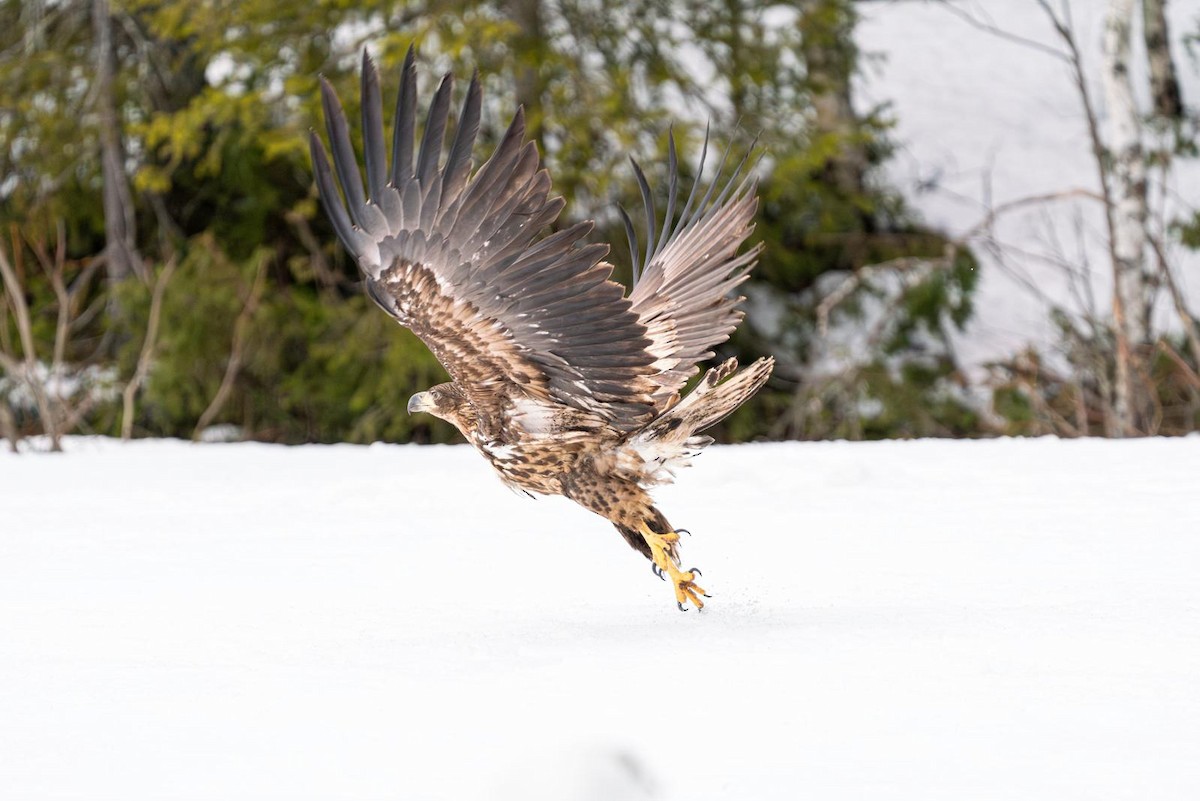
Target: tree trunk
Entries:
(1131, 287)
(527, 16)
(826, 40)
(120, 251)
(1164, 85)
(30, 20)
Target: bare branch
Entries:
(55, 268)
(1190, 328)
(996, 212)
(235, 356)
(8, 426)
(27, 372)
(992, 28)
(16, 300)
(862, 274)
(309, 240)
(147, 352)
(1190, 374)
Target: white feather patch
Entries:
(499, 452)
(656, 461)
(534, 417)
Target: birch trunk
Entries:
(1131, 289)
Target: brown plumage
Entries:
(565, 384)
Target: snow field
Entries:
(900, 620)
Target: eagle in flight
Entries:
(562, 381)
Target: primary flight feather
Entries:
(563, 382)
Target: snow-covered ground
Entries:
(984, 121)
(905, 620)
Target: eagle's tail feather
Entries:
(719, 393)
(670, 440)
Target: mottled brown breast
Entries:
(532, 465)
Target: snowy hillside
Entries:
(983, 121)
(901, 620)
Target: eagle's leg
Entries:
(627, 506)
(665, 555)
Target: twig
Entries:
(989, 219)
(992, 28)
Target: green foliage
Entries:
(315, 368)
(918, 402)
(1016, 408)
(216, 100)
(1188, 231)
(46, 168)
(351, 382)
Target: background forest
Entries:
(167, 270)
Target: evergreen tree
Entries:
(209, 103)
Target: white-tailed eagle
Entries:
(566, 384)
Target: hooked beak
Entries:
(417, 403)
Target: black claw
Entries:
(680, 605)
(656, 570)
(706, 595)
(695, 570)
(683, 531)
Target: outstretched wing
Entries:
(682, 286)
(451, 255)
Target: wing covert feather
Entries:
(452, 256)
(683, 292)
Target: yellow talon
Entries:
(666, 557)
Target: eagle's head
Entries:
(445, 401)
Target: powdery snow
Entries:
(1007, 619)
